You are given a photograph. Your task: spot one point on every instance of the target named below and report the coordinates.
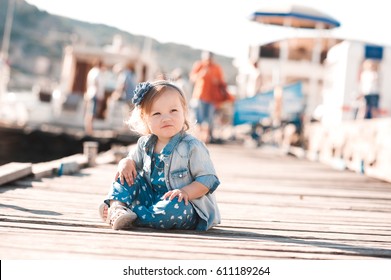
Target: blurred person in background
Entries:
(254, 82)
(207, 77)
(126, 82)
(4, 75)
(369, 87)
(94, 97)
(178, 79)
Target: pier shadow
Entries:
(243, 235)
(340, 248)
(36, 212)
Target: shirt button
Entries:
(180, 175)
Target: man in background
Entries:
(207, 77)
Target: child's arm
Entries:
(126, 170)
(127, 167)
(189, 192)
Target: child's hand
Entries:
(180, 193)
(126, 170)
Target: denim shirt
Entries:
(186, 160)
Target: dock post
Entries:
(90, 150)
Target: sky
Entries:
(221, 26)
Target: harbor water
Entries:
(37, 146)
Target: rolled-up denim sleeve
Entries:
(202, 168)
(209, 181)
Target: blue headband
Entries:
(143, 88)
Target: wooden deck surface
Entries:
(273, 206)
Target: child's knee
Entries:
(118, 182)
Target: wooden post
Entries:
(90, 150)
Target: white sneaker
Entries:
(121, 217)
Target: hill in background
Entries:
(38, 39)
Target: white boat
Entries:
(61, 107)
(333, 133)
(336, 74)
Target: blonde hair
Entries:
(137, 121)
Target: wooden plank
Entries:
(14, 170)
(211, 245)
(274, 207)
(70, 165)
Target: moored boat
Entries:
(61, 107)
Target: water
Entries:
(37, 146)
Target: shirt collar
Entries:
(167, 150)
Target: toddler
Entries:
(168, 180)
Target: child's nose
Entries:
(166, 117)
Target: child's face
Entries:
(167, 115)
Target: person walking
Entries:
(208, 80)
(254, 80)
(94, 96)
(126, 82)
(369, 86)
(254, 87)
(178, 78)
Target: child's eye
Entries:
(174, 110)
(156, 114)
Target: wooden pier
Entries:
(273, 206)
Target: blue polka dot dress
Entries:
(146, 201)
